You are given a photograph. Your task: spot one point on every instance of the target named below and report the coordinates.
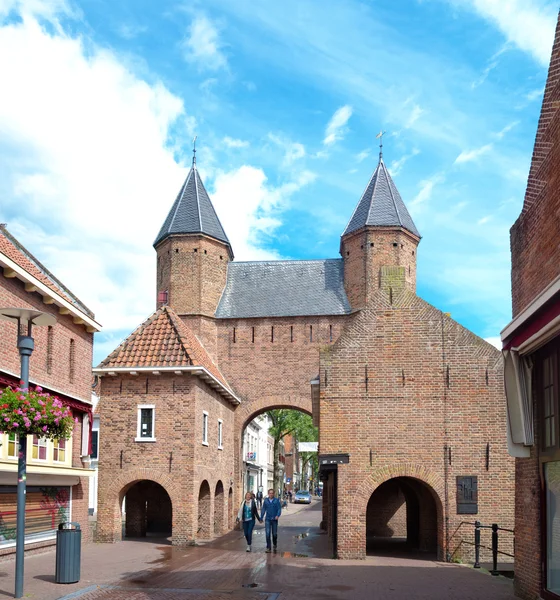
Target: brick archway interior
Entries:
(219, 508)
(402, 515)
(148, 508)
(204, 512)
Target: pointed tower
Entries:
(380, 241)
(192, 252)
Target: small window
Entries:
(12, 445)
(59, 451)
(220, 434)
(39, 448)
(252, 335)
(272, 334)
(291, 333)
(330, 333)
(395, 245)
(72, 361)
(311, 333)
(205, 428)
(162, 297)
(146, 423)
(234, 338)
(94, 445)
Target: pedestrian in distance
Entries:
(259, 499)
(271, 512)
(247, 514)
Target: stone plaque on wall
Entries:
(467, 495)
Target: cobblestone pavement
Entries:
(222, 570)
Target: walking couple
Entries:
(249, 513)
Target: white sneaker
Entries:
(248, 548)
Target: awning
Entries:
(43, 475)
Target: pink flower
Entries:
(45, 428)
(39, 389)
(14, 424)
(6, 419)
(76, 420)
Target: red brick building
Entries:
(532, 358)
(58, 472)
(406, 398)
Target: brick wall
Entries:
(177, 460)
(366, 251)
(386, 512)
(431, 384)
(535, 254)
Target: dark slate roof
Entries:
(381, 205)
(284, 288)
(192, 212)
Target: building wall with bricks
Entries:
(61, 364)
(535, 254)
(408, 392)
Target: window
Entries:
(71, 362)
(12, 445)
(59, 451)
(94, 445)
(552, 519)
(220, 433)
(39, 448)
(549, 401)
(205, 428)
(146, 423)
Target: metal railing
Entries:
(478, 526)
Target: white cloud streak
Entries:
(235, 143)
(203, 46)
(470, 155)
(336, 127)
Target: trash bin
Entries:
(68, 553)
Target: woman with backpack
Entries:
(248, 513)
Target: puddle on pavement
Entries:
(301, 536)
(250, 585)
(167, 552)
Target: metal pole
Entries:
(495, 549)
(25, 347)
(476, 545)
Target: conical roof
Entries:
(381, 205)
(193, 212)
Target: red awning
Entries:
(545, 315)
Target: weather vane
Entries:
(380, 137)
(194, 150)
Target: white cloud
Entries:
(361, 156)
(529, 24)
(293, 151)
(506, 129)
(396, 165)
(203, 45)
(426, 189)
(484, 220)
(415, 114)
(336, 127)
(249, 208)
(495, 340)
(470, 155)
(235, 143)
(129, 31)
(534, 95)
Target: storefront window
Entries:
(552, 476)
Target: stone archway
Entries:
(204, 530)
(113, 489)
(219, 506)
(351, 542)
(401, 516)
(148, 510)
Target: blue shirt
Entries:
(271, 508)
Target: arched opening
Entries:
(148, 510)
(402, 516)
(204, 517)
(230, 509)
(219, 509)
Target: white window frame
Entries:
(205, 428)
(39, 446)
(220, 434)
(66, 449)
(15, 457)
(138, 437)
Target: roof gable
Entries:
(163, 340)
(192, 212)
(381, 205)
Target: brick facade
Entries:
(536, 265)
(60, 363)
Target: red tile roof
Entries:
(163, 340)
(12, 249)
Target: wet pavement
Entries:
(221, 569)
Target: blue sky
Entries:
(101, 100)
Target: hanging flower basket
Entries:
(34, 412)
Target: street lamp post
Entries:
(25, 319)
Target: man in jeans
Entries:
(271, 511)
